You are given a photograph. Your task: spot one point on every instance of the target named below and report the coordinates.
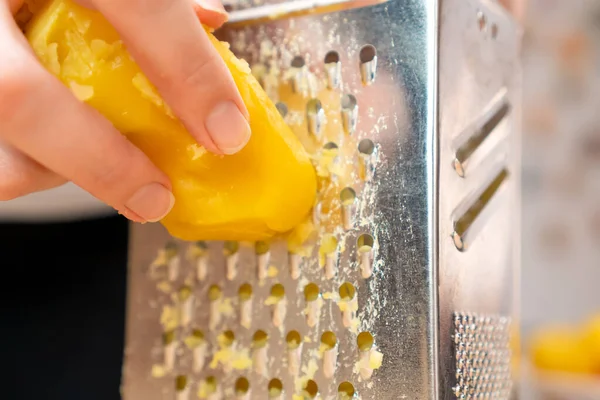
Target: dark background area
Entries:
(63, 309)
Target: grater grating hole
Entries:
(298, 62)
(245, 292)
(347, 291)
(311, 292)
(293, 339)
(260, 339)
(277, 292)
(242, 386)
(330, 146)
(181, 383)
(347, 196)
(226, 339)
(365, 341)
(282, 108)
(367, 53)
(275, 388)
(231, 248)
(494, 31)
(168, 337)
(346, 391)
(185, 293)
(310, 389)
(214, 293)
(171, 249)
(261, 248)
(328, 340)
(195, 339)
(366, 147)
(332, 57)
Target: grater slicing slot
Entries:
(274, 12)
(470, 221)
(477, 133)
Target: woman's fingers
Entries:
(20, 175)
(170, 45)
(41, 118)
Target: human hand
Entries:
(48, 137)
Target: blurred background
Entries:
(561, 200)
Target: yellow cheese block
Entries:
(267, 188)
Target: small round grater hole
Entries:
(185, 293)
(293, 339)
(260, 339)
(201, 246)
(261, 248)
(277, 292)
(328, 340)
(181, 383)
(275, 388)
(347, 196)
(366, 147)
(231, 248)
(282, 108)
(168, 337)
(347, 291)
(331, 57)
(365, 243)
(171, 249)
(481, 21)
(365, 341)
(346, 391)
(242, 386)
(214, 293)
(196, 338)
(298, 62)
(367, 53)
(226, 339)
(349, 113)
(245, 292)
(315, 115)
(330, 146)
(311, 292)
(310, 389)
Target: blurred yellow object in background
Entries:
(266, 189)
(568, 349)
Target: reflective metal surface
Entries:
(370, 284)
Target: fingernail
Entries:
(212, 5)
(228, 127)
(152, 202)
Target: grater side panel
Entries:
(397, 304)
(479, 185)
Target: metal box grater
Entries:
(411, 109)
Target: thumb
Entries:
(211, 12)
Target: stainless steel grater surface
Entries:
(410, 109)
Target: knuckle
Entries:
(200, 72)
(16, 88)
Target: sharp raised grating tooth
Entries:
(173, 261)
(315, 117)
(349, 113)
(333, 69)
(245, 298)
(329, 352)
(348, 202)
(231, 251)
(313, 304)
(278, 303)
(214, 294)
(366, 152)
(294, 349)
(186, 303)
(263, 255)
(364, 248)
(259, 352)
(299, 75)
(348, 304)
(295, 260)
(182, 388)
(169, 349)
(199, 347)
(368, 64)
(328, 254)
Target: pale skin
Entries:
(48, 137)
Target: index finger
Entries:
(170, 45)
